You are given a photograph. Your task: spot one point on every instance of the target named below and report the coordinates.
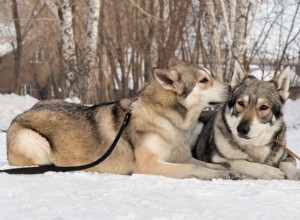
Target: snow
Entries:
(12, 105)
(82, 195)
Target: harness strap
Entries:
(53, 168)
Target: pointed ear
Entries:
(174, 61)
(239, 73)
(169, 80)
(282, 80)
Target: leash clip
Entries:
(127, 118)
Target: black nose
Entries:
(243, 128)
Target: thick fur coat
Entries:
(158, 139)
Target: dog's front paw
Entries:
(217, 174)
(269, 173)
(236, 176)
(290, 170)
(293, 175)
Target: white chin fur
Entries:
(259, 134)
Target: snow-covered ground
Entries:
(86, 196)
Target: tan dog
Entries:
(157, 140)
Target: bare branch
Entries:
(288, 40)
(263, 34)
(144, 12)
(253, 22)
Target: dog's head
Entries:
(193, 85)
(256, 106)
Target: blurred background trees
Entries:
(100, 50)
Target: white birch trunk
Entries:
(241, 40)
(232, 16)
(226, 22)
(236, 51)
(210, 25)
(230, 32)
(252, 24)
(68, 40)
(86, 76)
(68, 47)
(240, 28)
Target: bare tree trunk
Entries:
(85, 80)
(148, 38)
(252, 23)
(239, 42)
(211, 27)
(239, 38)
(21, 33)
(160, 39)
(101, 57)
(62, 10)
(123, 89)
(17, 50)
(199, 50)
(68, 47)
(230, 32)
(112, 76)
(169, 39)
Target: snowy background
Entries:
(86, 196)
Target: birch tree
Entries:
(211, 28)
(238, 21)
(80, 78)
(87, 77)
(107, 51)
(62, 10)
(68, 46)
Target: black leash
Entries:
(53, 168)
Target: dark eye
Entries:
(263, 108)
(241, 103)
(204, 80)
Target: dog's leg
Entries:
(148, 162)
(288, 166)
(256, 170)
(205, 164)
(180, 171)
(27, 147)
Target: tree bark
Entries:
(86, 82)
(19, 47)
(211, 27)
(148, 36)
(68, 47)
(238, 33)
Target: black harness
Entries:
(53, 168)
